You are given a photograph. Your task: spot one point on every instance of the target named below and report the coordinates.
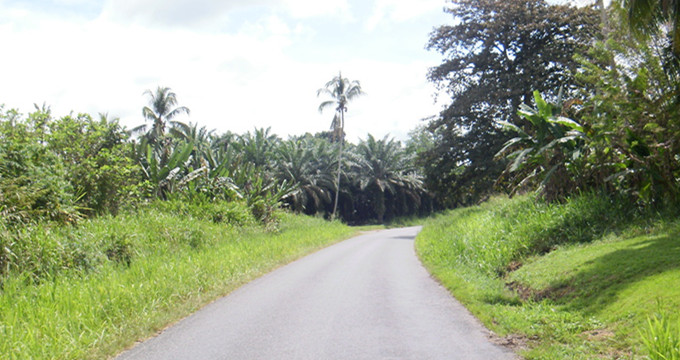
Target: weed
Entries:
(661, 338)
(173, 264)
(119, 248)
(560, 275)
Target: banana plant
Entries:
(164, 172)
(549, 145)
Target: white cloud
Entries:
(212, 14)
(72, 2)
(400, 11)
(231, 81)
(315, 8)
(174, 13)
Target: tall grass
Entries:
(570, 280)
(662, 338)
(491, 236)
(144, 270)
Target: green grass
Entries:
(662, 338)
(169, 266)
(577, 280)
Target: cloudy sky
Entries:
(237, 64)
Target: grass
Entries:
(577, 280)
(662, 339)
(146, 270)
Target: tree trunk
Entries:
(380, 205)
(604, 19)
(606, 30)
(337, 181)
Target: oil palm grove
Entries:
(168, 159)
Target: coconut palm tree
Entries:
(341, 91)
(161, 111)
(646, 16)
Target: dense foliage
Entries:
(619, 133)
(495, 55)
(58, 171)
(539, 100)
(62, 169)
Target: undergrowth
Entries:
(89, 291)
(571, 280)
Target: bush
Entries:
(219, 212)
(498, 232)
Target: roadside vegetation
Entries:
(107, 234)
(584, 266)
(585, 279)
(90, 291)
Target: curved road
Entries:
(364, 298)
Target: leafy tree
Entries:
(200, 137)
(97, 159)
(624, 139)
(496, 53)
(632, 116)
(167, 174)
(33, 179)
(341, 91)
(258, 148)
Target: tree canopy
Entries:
(495, 54)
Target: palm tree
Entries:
(200, 137)
(383, 166)
(646, 16)
(341, 91)
(306, 164)
(162, 110)
(258, 148)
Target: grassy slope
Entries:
(609, 269)
(178, 264)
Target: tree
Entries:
(632, 116)
(97, 159)
(306, 164)
(382, 168)
(646, 17)
(200, 137)
(162, 110)
(341, 91)
(259, 148)
(33, 178)
(495, 55)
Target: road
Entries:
(364, 298)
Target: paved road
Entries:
(364, 298)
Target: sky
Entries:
(236, 64)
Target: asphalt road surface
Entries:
(364, 298)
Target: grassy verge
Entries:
(577, 280)
(143, 270)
